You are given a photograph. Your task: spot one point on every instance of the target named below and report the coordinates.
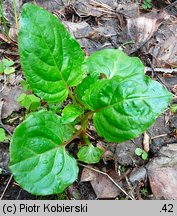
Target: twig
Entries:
(161, 70)
(132, 188)
(9, 52)
(161, 135)
(5, 189)
(19, 194)
(171, 5)
(105, 174)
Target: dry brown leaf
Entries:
(88, 175)
(139, 30)
(163, 46)
(174, 89)
(9, 95)
(146, 142)
(13, 32)
(102, 185)
(104, 188)
(91, 8)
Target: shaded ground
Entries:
(151, 35)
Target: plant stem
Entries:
(73, 137)
(72, 97)
(82, 130)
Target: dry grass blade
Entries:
(5, 189)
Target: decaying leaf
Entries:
(162, 173)
(91, 8)
(139, 30)
(9, 94)
(102, 185)
(146, 142)
(163, 46)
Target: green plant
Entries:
(3, 20)
(144, 192)
(173, 108)
(140, 152)
(6, 66)
(2, 135)
(147, 4)
(30, 102)
(25, 85)
(108, 87)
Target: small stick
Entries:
(8, 52)
(115, 183)
(161, 135)
(161, 70)
(5, 189)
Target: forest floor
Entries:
(149, 33)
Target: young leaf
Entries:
(5, 66)
(84, 85)
(55, 107)
(173, 108)
(51, 59)
(112, 62)
(7, 63)
(2, 135)
(144, 155)
(138, 151)
(125, 107)
(1, 68)
(9, 70)
(24, 84)
(90, 154)
(70, 113)
(38, 159)
(29, 101)
(35, 102)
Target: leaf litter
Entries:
(108, 24)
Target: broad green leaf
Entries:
(2, 135)
(9, 70)
(84, 85)
(112, 62)
(51, 59)
(70, 113)
(138, 151)
(125, 107)
(90, 154)
(38, 160)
